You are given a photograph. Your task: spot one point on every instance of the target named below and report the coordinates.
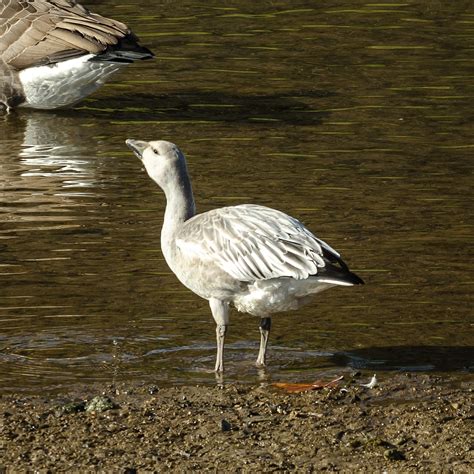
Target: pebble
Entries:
(100, 404)
(394, 455)
(225, 425)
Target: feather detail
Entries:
(40, 31)
(252, 243)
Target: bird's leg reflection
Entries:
(219, 379)
(263, 375)
(265, 326)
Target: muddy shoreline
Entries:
(406, 423)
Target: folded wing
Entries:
(41, 32)
(252, 242)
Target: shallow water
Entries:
(354, 117)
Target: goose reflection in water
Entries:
(52, 148)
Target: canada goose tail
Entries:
(127, 50)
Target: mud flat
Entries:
(406, 423)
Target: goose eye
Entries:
(155, 151)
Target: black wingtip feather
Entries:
(343, 274)
(337, 269)
(127, 50)
(355, 279)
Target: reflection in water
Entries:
(355, 119)
(48, 150)
(44, 164)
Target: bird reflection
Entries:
(45, 169)
(49, 149)
(51, 146)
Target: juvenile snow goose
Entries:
(53, 53)
(259, 259)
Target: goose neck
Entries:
(179, 207)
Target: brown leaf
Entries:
(294, 387)
(306, 387)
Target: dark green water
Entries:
(354, 117)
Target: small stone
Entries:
(72, 407)
(225, 425)
(100, 404)
(394, 455)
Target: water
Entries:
(355, 118)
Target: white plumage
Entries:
(64, 83)
(259, 259)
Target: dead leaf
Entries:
(294, 387)
(306, 387)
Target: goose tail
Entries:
(127, 50)
(335, 276)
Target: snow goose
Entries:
(259, 259)
(53, 53)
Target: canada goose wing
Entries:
(41, 32)
(253, 242)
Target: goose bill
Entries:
(137, 146)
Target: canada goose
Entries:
(259, 259)
(53, 53)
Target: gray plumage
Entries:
(259, 259)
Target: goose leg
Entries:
(265, 325)
(220, 313)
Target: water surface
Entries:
(354, 117)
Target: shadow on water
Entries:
(409, 358)
(55, 127)
(208, 106)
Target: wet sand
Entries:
(406, 423)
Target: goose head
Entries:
(163, 161)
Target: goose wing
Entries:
(42, 32)
(252, 242)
